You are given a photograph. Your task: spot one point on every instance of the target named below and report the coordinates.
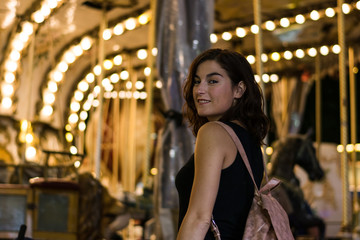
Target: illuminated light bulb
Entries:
(240, 32)
(77, 164)
(265, 78)
(340, 148)
(52, 4)
(314, 15)
(24, 124)
(213, 38)
(158, 84)
(350, 148)
(269, 150)
(96, 90)
(73, 118)
(284, 22)
(154, 171)
(275, 56)
(29, 138)
(75, 106)
(117, 60)
(83, 86)
(357, 147)
(105, 82)
(45, 10)
(7, 90)
(109, 88)
(264, 57)
(136, 95)
(128, 85)
(144, 18)
(78, 95)
(147, 71)
(143, 95)
(57, 76)
(257, 78)
(251, 59)
(46, 111)
(83, 115)
(82, 126)
(95, 103)
(87, 106)
(38, 17)
(28, 28)
(299, 53)
(330, 12)
(11, 66)
(114, 78)
(30, 153)
(73, 150)
(9, 77)
(142, 54)
(128, 94)
(346, 8)
(114, 95)
(69, 137)
(139, 85)
(15, 55)
(336, 49)
(108, 64)
(130, 24)
(226, 36)
(300, 19)
(107, 34)
(18, 45)
(358, 5)
(270, 25)
(97, 70)
(274, 78)
(119, 29)
(254, 29)
(288, 55)
(122, 94)
(23, 37)
(324, 50)
(63, 66)
(154, 51)
(49, 97)
(77, 50)
(69, 57)
(124, 75)
(68, 127)
(86, 43)
(312, 52)
(90, 77)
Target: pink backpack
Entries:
(267, 220)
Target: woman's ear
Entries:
(239, 89)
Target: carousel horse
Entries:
(288, 152)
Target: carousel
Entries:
(92, 131)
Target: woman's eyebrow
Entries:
(210, 75)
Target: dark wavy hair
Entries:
(248, 109)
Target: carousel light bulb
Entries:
(9, 77)
(312, 52)
(62, 66)
(240, 32)
(299, 19)
(299, 53)
(336, 49)
(358, 5)
(30, 153)
(7, 90)
(144, 18)
(57, 76)
(350, 148)
(69, 57)
(119, 29)
(83, 86)
(15, 55)
(254, 29)
(11, 66)
(87, 106)
(265, 78)
(314, 15)
(130, 23)
(73, 150)
(264, 57)
(270, 25)
(340, 148)
(226, 36)
(75, 106)
(141, 54)
(158, 84)
(97, 70)
(49, 97)
(213, 38)
(107, 34)
(38, 17)
(108, 64)
(69, 137)
(346, 8)
(154, 51)
(52, 4)
(46, 111)
(82, 126)
(284, 22)
(117, 60)
(274, 78)
(330, 12)
(143, 95)
(83, 115)
(18, 45)
(122, 94)
(136, 95)
(257, 78)
(114, 78)
(139, 85)
(275, 56)
(78, 95)
(324, 50)
(73, 118)
(128, 85)
(90, 77)
(86, 43)
(23, 37)
(29, 138)
(77, 50)
(250, 59)
(147, 71)
(28, 28)
(124, 75)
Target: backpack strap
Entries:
(242, 152)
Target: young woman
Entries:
(220, 87)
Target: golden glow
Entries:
(300, 19)
(107, 34)
(270, 25)
(117, 60)
(340, 148)
(324, 50)
(312, 52)
(269, 150)
(226, 36)
(314, 15)
(285, 22)
(142, 54)
(275, 56)
(119, 29)
(250, 59)
(130, 24)
(213, 38)
(330, 12)
(254, 29)
(108, 64)
(240, 32)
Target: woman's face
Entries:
(213, 91)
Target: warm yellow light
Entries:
(336, 49)
(275, 56)
(154, 171)
(139, 85)
(346, 8)
(299, 53)
(124, 75)
(250, 59)
(269, 150)
(128, 85)
(130, 23)
(158, 84)
(226, 36)
(108, 64)
(97, 70)
(350, 148)
(68, 127)
(312, 52)
(6, 103)
(324, 50)
(75, 106)
(38, 17)
(340, 148)
(357, 147)
(147, 71)
(117, 60)
(24, 125)
(264, 57)
(78, 95)
(284, 22)
(265, 78)
(7, 90)
(90, 77)
(14, 55)
(9, 77)
(77, 164)
(142, 54)
(358, 5)
(86, 43)
(143, 95)
(119, 29)
(107, 34)
(154, 51)
(57, 76)
(83, 115)
(46, 111)
(49, 97)
(330, 12)
(62, 66)
(314, 15)
(82, 126)
(144, 18)
(114, 78)
(77, 50)
(73, 150)
(240, 32)
(30, 153)
(270, 25)
(300, 19)
(274, 78)
(83, 86)
(213, 38)
(29, 138)
(254, 29)
(69, 57)
(73, 118)
(11, 66)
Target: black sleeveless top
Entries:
(236, 189)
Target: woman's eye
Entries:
(212, 81)
(196, 81)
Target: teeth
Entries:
(203, 101)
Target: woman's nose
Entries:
(200, 88)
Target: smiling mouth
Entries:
(203, 101)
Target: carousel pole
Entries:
(259, 51)
(353, 132)
(318, 104)
(345, 229)
(103, 24)
(149, 98)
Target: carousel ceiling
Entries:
(48, 47)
